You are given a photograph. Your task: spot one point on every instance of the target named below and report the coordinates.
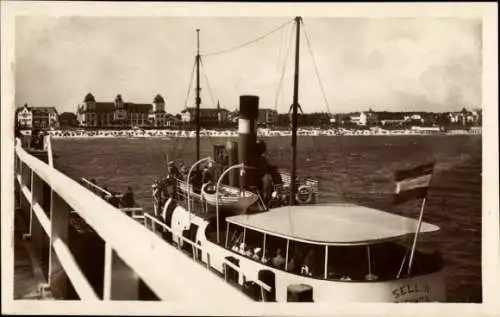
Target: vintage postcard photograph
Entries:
(256, 159)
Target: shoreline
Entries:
(149, 134)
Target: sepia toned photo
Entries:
(233, 160)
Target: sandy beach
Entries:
(165, 133)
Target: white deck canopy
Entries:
(336, 224)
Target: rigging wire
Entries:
(210, 93)
(280, 84)
(185, 108)
(280, 53)
(328, 109)
(316, 67)
(250, 42)
(208, 84)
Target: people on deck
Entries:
(207, 173)
(274, 201)
(265, 257)
(196, 180)
(183, 170)
(242, 248)
(225, 161)
(256, 254)
(291, 266)
(278, 261)
(173, 171)
(128, 198)
(307, 266)
(157, 199)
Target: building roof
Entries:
(103, 107)
(46, 109)
(204, 110)
(22, 108)
(108, 107)
(158, 99)
(89, 97)
(138, 107)
(38, 110)
(336, 224)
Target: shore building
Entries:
(37, 117)
(91, 113)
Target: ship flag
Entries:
(413, 183)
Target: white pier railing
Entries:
(133, 257)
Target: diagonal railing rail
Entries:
(164, 270)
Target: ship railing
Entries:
(286, 179)
(96, 189)
(151, 222)
(134, 212)
(134, 259)
(198, 205)
(263, 286)
(283, 189)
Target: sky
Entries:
(386, 64)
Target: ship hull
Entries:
(422, 288)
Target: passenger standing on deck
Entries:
(156, 199)
(184, 170)
(242, 248)
(307, 266)
(196, 180)
(291, 267)
(267, 188)
(128, 198)
(172, 170)
(278, 260)
(207, 173)
(256, 254)
(225, 161)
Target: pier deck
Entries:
(29, 281)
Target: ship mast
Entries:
(295, 106)
(198, 99)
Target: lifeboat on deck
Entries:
(229, 197)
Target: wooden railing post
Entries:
(33, 189)
(39, 238)
(59, 222)
(25, 203)
(17, 187)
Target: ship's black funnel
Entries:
(247, 130)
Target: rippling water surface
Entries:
(350, 169)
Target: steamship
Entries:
(287, 246)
